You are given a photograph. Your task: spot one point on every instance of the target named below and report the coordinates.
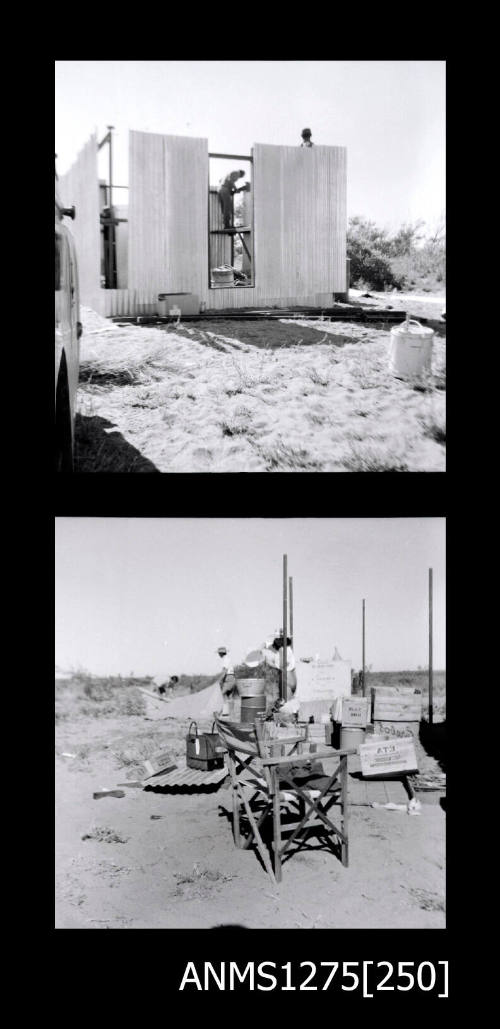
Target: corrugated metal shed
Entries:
(299, 200)
(299, 205)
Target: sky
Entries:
(389, 114)
(158, 596)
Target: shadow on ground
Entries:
(99, 450)
(433, 740)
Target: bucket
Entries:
(251, 687)
(410, 355)
(351, 738)
(223, 276)
(251, 707)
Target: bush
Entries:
(407, 258)
(370, 269)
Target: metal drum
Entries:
(351, 738)
(251, 687)
(252, 706)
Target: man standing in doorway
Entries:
(306, 138)
(227, 189)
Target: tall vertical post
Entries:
(290, 607)
(363, 649)
(110, 127)
(285, 620)
(431, 706)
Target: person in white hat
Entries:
(227, 680)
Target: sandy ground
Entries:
(204, 399)
(168, 861)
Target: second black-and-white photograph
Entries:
(250, 723)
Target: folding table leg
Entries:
(345, 811)
(258, 839)
(236, 803)
(277, 826)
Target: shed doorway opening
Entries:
(230, 222)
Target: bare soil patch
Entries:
(161, 860)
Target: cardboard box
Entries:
(354, 712)
(161, 762)
(381, 758)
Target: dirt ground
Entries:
(231, 396)
(158, 860)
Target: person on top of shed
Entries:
(306, 138)
(227, 189)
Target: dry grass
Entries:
(368, 458)
(434, 425)
(90, 696)
(104, 834)
(251, 396)
(199, 882)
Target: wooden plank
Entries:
(397, 710)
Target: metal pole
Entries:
(110, 127)
(363, 651)
(290, 607)
(431, 706)
(284, 670)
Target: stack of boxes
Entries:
(397, 711)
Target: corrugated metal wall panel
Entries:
(147, 211)
(168, 217)
(300, 219)
(80, 186)
(118, 302)
(248, 297)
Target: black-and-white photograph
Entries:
(250, 266)
(250, 723)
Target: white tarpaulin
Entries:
(192, 705)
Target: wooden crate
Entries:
(396, 704)
(388, 757)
